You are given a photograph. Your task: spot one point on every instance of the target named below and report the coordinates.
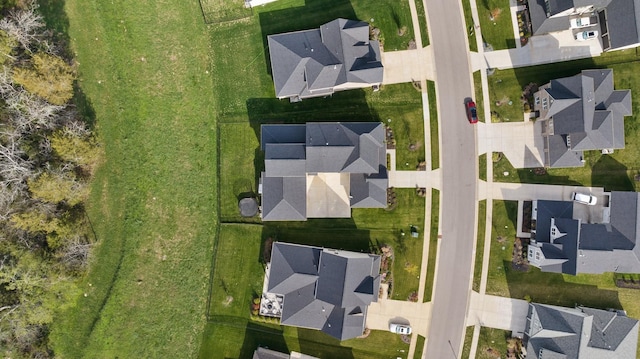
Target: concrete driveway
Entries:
(498, 312)
(386, 311)
(519, 141)
(407, 66)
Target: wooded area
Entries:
(47, 156)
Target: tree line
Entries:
(47, 156)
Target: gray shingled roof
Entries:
(311, 63)
(622, 21)
(357, 149)
(262, 353)
(579, 333)
(324, 289)
(590, 247)
(284, 198)
(587, 114)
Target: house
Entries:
(617, 22)
(322, 170)
(581, 113)
(337, 56)
(579, 333)
(264, 353)
(319, 288)
(560, 243)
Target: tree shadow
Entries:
(55, 17)
(551, 288)
(611, 174)
(310, 16)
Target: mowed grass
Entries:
(466, 347)
(490, 338)
(237, 338)
(470, 26)
(495, 24)
(433, 244)
(597, 291)
(224, 10)
(433, 125)
(482, 222)
(477, 84)
(142, 66)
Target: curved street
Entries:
(459, 168)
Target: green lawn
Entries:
(153, 206)
(482, 166)
(482, 223)
(468, 20)
(466, 348)
(495, 339)
(597, 291)
(419, 347)
(477, 84)
(422, 20)
(433, 125)
(433, 244)
(224, 10)
(238, 338)
(497, 32)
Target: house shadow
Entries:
(335, 233)
(611, 174)
(551, 288)
(313, 14)
(321, 345)
(257, 335)
(542, 74)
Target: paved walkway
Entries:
(498, 312)
(414, 179)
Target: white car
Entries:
(586, 35)
(584, 198)
(399, 329)
(580, 22)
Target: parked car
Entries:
(400, 328)
(584, 198)
(580, 22)
(472, 113)
(586, 35)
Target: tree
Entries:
(7, 46)
(58, 187)
(73, 147)
(24, 26)
(48, 77)
(57, 230)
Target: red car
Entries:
(472, 115)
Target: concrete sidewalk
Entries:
(414, 179)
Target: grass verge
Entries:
(433, 125)
(492, 341)
(419, 347)
(482, 166)
(468, 338)
(422, 20)
(433, 244)
(470, 26)
(482, 223)
(477, 85)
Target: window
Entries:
(545, 104)
(537, 100)
(537, 256)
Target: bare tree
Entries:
(24, 26)
(75, 255)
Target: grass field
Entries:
(597, 291)
(497, 32)
(153, 202)
(215, 11)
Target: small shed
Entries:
(248, 207)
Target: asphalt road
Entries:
(459, 169)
